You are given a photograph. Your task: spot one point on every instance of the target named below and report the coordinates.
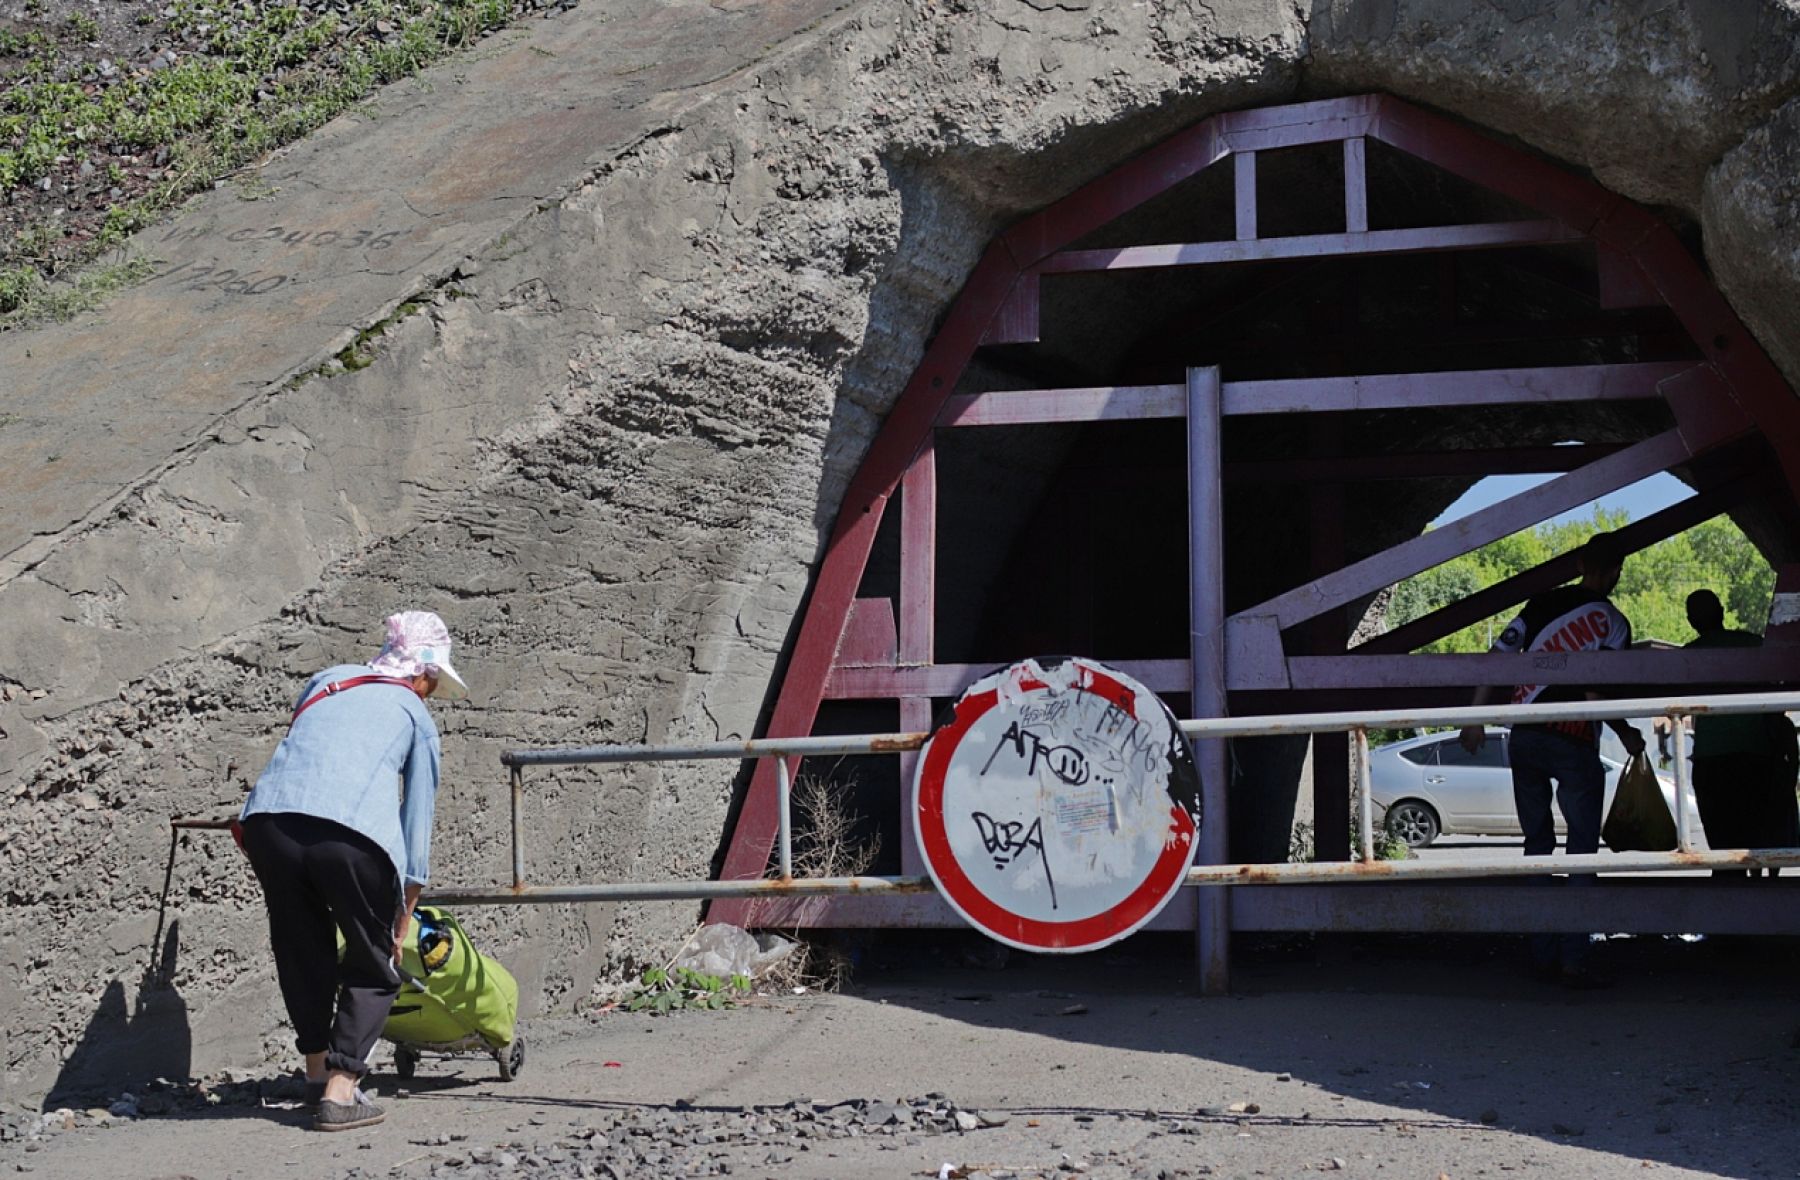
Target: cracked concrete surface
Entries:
(673, 261)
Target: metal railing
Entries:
(1365, 867)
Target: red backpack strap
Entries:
(339, 686)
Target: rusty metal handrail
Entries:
(1366, 867)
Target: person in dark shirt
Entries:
(1563, 754)
(1744, 763)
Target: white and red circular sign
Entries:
(1057, 808)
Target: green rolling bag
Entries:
(453, 998)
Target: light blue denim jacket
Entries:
(344, 760)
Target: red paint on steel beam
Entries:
(1572, 383)
(901, 911)
(1634, 537)
(1481, 387)
(1622, 282)
(1356, 186)
(918, 555)
(1521, 511)
(1663, 261)
(949, 680)
(1679, 666)
(915, 717)
(1644, 906)
(1244, 194)
(847, 553)
(1103, 403)
(1527, 179)
(1418, 464)
(1702, 404)
(1117, 193)
(1162, 167)
(1298, 135)
(1383, 241)
(870, 638)
(1017, 321)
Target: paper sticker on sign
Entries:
(1057, 807)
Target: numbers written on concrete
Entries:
(323, 238)
(199, 276)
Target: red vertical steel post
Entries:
(1244, 180)
(1356, 187)
(918, 618)
(1328, 635)
(1206, 645)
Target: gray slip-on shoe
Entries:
(315, 1094)
(347, 1116)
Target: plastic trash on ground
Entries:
(725, 951)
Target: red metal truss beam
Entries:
(1682, 666)
(949, 680)
(1528, 508)
(1179, 157)
(1019, 407)
(1418, 464)
(846, 555)
(1578, 204)
(1627, 905)
(918, 556)
(1636, 536)
(1379, 241)
(1643, 240)
(1479, 387)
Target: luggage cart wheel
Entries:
(406, 1062)
(511, 1059)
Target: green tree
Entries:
(1652, 590)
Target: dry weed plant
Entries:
(825, 845)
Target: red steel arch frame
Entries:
(849, 649)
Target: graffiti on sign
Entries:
(1057, 808)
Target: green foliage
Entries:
(663, 991)
(30, 299)
(1652, 590)
(1303, 842)
(213, 111)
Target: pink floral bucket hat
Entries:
(418, 641)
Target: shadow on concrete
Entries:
(1686, 1060)
(127, 1044)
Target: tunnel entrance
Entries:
(1342, 314)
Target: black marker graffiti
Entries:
(197, 276)
(1007, 840)
(345, 239)
(1067, 763)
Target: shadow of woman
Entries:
(124, 1046)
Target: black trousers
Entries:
(319, 879)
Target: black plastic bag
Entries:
(1639, 820)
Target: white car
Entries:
(1430, 786)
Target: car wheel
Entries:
(1413, 822)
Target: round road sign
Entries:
(1057, 808)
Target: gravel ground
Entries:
(1400, 1058)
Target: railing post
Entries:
(1678, 748)
(518, 832)
(1365, 807)
(784, 796)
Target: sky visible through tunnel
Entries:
(1639, 499)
